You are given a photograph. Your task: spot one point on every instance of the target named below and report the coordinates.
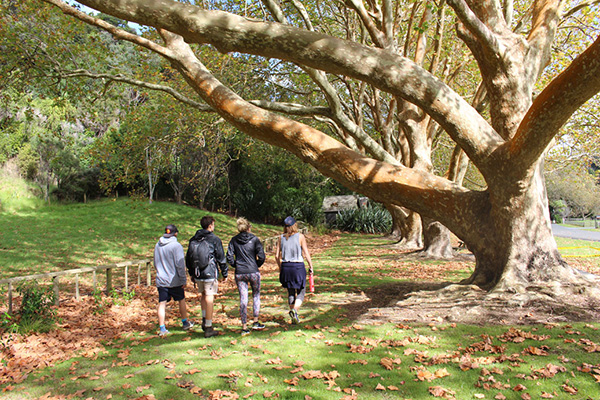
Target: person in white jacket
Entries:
(169, 262)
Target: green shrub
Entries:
(373, 219)
(36, 313)
(28, 162)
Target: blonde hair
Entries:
(243, 225)
(290, 230)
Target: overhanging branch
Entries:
(555, 105)
(389, 72)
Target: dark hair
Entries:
(206, 221)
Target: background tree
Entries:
(573, 192)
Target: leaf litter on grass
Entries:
(83, 332)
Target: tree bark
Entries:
(407, 226)
(436, 243)
(398, 216)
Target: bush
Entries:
(373, 219)
(28, 161)
(36, 313)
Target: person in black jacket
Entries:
(207, 281)
(245, 253)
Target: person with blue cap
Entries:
(290, 255)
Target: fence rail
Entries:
(77, 271)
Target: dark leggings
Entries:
(242, 281)
(295, 294)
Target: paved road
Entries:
(576, 233)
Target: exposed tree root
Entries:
(406, 245)
(468, 304)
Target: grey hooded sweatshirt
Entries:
(169, 261)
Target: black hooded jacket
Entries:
(217, 256)
(245, 253)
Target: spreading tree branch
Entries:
(557, 102)
(389, 72)
(475, 26)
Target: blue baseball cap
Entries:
(289, 221)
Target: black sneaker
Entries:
(258, 326)
(294, 316)
(210, 332)
(245, 332)
(187, 325)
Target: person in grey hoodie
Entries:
(245, 253)
(169, 262)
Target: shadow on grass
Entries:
(387, 295)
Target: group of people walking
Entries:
(205, 258)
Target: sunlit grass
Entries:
(17, 195)
(58, 237)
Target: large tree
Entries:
(506, 225)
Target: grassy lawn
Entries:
(57, 237)
(581, 254)
(330, 355)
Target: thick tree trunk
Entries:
(398, 216)
(437, 243)
(518, 251)
(409, 224)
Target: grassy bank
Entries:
(57, 237)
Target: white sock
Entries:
(208, 323)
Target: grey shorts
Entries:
(208, 287)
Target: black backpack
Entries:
(200, 257)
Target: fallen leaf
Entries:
(312, 374)
(140, 389)
(438, 391)
(569, 389)
(193, 371)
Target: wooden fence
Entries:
(94, 270)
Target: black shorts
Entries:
(166, 293)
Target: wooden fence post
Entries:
(108, 280)
(148, 277)
(94, 280)
(10, 296)
(139, 276)
(77, 286)
(126, 278)
(55, 284)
